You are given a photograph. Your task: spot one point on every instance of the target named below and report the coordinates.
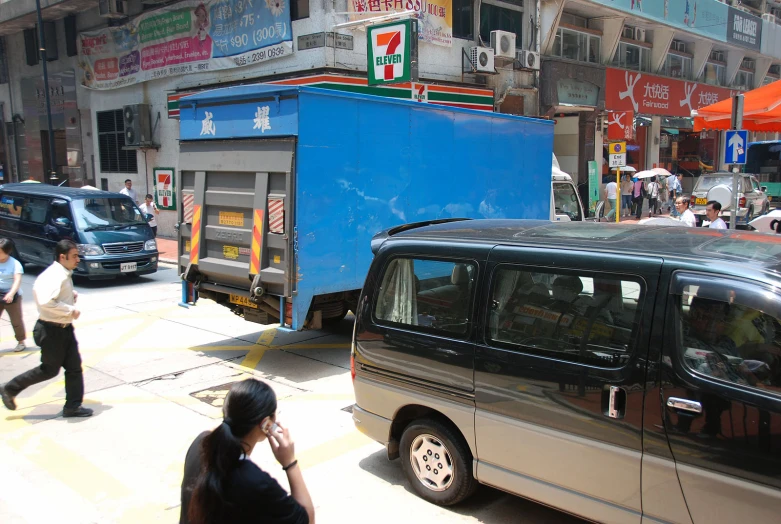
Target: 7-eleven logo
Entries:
(164, 188)
(388, 46)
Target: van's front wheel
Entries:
(437, 462)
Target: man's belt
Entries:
(54, 324)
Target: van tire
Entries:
(428, 432)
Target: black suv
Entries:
(617, 372)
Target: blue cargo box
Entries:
(284, 187)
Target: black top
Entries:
(254, 496)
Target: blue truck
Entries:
(283, 188)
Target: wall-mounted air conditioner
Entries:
(528, 59)
(503, 44)
(112, 9)
(628, 32)
(769, 17)
(639, 34)
(482, 59)
(680, 46)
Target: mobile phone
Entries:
(269, 426)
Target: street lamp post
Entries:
(42, 42)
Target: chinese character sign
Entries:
(620, 125)
(436, 16)
(165, 190)
(192, 36)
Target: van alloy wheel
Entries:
(431, 462)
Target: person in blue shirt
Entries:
(10, 293)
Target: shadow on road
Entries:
(487, 505)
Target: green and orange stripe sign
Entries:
(452, 96)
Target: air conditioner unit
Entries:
(629, 32)
(482, 59)
(639, 34)
(137, 119)
(503, 44)
(528, 59)
(748, 64)
(681, 46)
(769, 17)
(112, 9)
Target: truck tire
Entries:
(437, 462)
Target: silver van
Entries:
(621, 373)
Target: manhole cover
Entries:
(348, 409)
(215, 395)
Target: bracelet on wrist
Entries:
(285, 468)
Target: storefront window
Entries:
(744, 80)
(575, 45)
(502, 16)
(688, 152)
(462, 19)
(678, 66)
(631, 56)
(714, 74)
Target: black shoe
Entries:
(77, 412)
(8, 400)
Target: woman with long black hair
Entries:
(221, 484)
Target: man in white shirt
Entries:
(712, 210)
(687, 217)
(55, 297)
(610, 194)
(149, 209)
(129, 191)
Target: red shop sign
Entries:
(657, 95)
(620, 125)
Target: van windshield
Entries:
(106, 213)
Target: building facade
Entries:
(657, 62)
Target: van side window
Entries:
(730, 341)
(35, 210)
(11, 206)
(430, 294)
(577, 318)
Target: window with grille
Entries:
(111, 140)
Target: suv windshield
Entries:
(708, 181)
(106, 213)
(566, 201)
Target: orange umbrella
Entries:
(761, 111)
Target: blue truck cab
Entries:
(112, 234)
(283, 189)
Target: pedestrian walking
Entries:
(638, 195)
(671, 181)
(610, 195)
(687, 217)
(676, 190)
(712, 210)
(626, 196)
(149, 209)
(653, 197)
(10, 283)
(129, 191)
(55, 297)
(663, 196)
(221, 483)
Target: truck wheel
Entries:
(437, 462)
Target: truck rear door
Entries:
(236, 218)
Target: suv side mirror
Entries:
(763, 189)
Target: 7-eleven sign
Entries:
(392, 50)
(165, 192)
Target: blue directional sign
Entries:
(736, 145)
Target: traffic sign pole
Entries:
(737, 123)
(618, 195)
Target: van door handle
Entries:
(683, 404)
(616, 406)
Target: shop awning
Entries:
(761, 111)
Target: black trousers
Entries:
(59, 349)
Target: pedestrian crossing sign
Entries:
(617, 148)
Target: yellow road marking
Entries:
(256, 353)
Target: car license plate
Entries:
(242, 301)
(126, 267)
(701, 201)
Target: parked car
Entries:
(752, 199)
(112, 234)
(620, 373)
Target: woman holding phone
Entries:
(221, 484)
